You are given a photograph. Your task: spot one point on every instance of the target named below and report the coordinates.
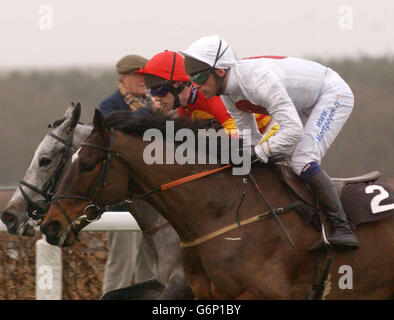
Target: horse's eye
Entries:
(85, 166)
(44, 161)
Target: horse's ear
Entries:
(76, 114)
(71, 117)
(99, 122)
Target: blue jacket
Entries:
(144, 112)
(114, 102)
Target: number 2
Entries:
(376, 207)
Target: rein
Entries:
(180, 181)
(271, 213)
(101, 177)
(100, 210)
(91, 203)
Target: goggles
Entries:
(159, 92)
(200, 77)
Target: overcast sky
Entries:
(56, 33)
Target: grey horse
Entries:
(31, 200)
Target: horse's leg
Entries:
(161, 250)
(198, 281)
(367, 270)
(167, 262)
(177, 287)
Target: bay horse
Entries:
(254, 261)
(30, 201)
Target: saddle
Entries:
(365, 198)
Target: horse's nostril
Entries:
(8, 218)
(51, 229)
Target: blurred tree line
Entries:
(30, 100)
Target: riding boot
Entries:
(341, 235)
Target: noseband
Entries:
(101, 182)
(34, 210)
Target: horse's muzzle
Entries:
(10, 220)
(51, 230)
(15, 225)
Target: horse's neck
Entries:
(194, 208)
(81, 132)
(146, 216)
(179, 205)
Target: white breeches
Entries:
(326, 120)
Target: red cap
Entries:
(168, 65)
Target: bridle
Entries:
(101, 182)
(75, 224)
(37, 210)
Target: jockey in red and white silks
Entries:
(310, 103)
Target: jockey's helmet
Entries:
(163, 70)
(207, 54)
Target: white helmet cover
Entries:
(210, 50)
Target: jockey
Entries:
(309, 101)
(165, 75)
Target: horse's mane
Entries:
(133, 124)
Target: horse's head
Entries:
(33, 194)
(94, 178)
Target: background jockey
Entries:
(165, 75)
(309, 101)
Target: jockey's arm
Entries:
(267, 89)
(244, 121)
(231, 128)
(218, 110)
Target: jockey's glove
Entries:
(262, 151)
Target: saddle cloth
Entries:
(365, 199)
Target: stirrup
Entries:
(323, 244)
(318, 247)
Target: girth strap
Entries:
(219, 232)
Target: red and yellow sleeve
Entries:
(214, 107)
(262, 121)
(201, 114)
